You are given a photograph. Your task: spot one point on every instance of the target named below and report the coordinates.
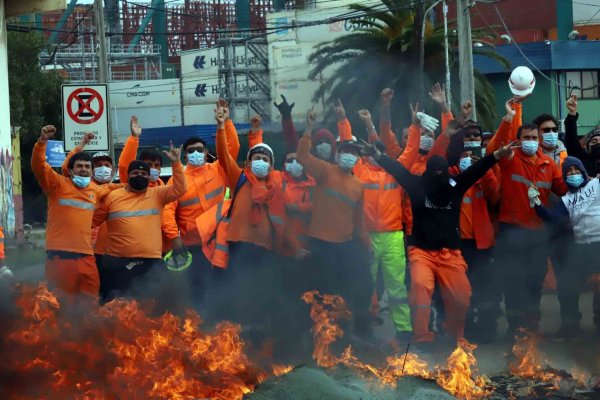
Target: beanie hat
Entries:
(324, 134)
(139, 165)
(592, 135)
(261, 148)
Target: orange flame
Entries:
(325, 311)
(528, 361)
(458, 377)
(119, 351)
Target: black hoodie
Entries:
(436, 199)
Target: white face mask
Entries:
(472, 144)
(154, 174)
(294, 168)
(103, 174)
(426, 143)
(260, 168)
(346, 161)
(323, 151)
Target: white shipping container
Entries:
(151, 93)
(200, 114)
(201, 90)
(149, 117)
(322, 32)
(203, 62)
(290, 62)
(299, 92)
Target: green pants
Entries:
(389, 255)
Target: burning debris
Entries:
(119, 351)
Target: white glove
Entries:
(534, 197)
(428, 122)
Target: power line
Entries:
(570, 88)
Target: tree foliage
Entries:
(35, 100)
(384, 51)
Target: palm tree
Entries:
(385, 52)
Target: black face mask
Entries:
(595, 151)
(139, 182)
(436, 181)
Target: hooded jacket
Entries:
(558, 154)
(436, 199)
(579, 208)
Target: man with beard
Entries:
(436, 200)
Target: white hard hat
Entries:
(521, 81)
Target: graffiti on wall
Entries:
(7, 204)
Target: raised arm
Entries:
(226, 160)
(255, 136)
(130, 149)
(179, 186)
(438, 96)
(504, 133)
(571, 141)
(287, 124)
(313, 166)
(233, 140)
(365, 117)
(43, 172)
(343, 125)
(388, 136)
(411, 152)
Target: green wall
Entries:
(541, 101)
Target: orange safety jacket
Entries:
(206, 187)
(100, 237)
(253, 222)
(129, 154)
(298, 197)
(518, 174)
(70, 209)
(474, 216)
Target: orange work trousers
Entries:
(74, 275)
(449, 270)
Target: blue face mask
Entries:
(103, 174)
(347, 161)
(81, 181)
(550, 139)
(575, 180)
(529, 147)
(260, 168)
(464, 163)
(196, 159)
(154, 174)
(323, 151)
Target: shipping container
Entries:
(149, 117)
(299, 92)
(200, 63)
(151, 93)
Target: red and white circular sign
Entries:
(85, 106)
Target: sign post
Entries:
(85, 109)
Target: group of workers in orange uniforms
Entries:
(454, 210)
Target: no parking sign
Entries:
(85, 109)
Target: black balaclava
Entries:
(436, 181)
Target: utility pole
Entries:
(103, 70)
(447, 55)
(465, 53)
